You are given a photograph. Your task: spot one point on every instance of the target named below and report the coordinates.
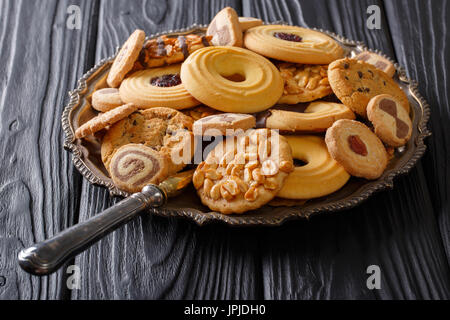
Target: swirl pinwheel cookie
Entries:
(357, 149)
(293, 44)
(158, 87)
(320, 176)
(134, 166)
(232, 79)
(245, 172)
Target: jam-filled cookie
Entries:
(163, 129)
(125, 59)
(303, 82)
(320, 175)
(390, 120)
(232, 79)
(315, 116)
(224, 124)
(357, 149)
(157, 87)
(134, 166)
(244, 172)
(356, 82)
(377, 61)
(293, 44)
(225, 28)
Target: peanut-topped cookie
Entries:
(356, 82)
(245, 172)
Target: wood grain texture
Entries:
(421, 40)
(327, 257)
(39, 188)
(154, 258)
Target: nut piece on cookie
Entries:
(249, 22)
(134, 166)
(223, 124)
(354, 146)
(355, 82)
(104, 120)
(390, 120)
(244, 172)
(125, 59)
(225, 29)
(106, 99)
(378, 61)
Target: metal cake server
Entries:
(47, 256)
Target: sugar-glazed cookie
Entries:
(125, 59)
(320, 176)
(249, 22)
(104, 120)
(303, 82)
(356, 82)
(225, 29)
(232, 79)
(223, 124)
(378, 61)
(357, 149)
(315, 116)
(106, 99)
(293, 44)
(245, 172)
(157, 87)
(165, 130)
(134, 166)
(391, 122)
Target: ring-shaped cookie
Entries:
(305, 46)
(321, 176)
(138, 89)
(232, 79)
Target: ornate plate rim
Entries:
(292, 213)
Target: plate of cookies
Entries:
(276, 121)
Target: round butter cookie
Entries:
(315, 116)
(249, 22)
(157, 87)
(106, 99)
(320, 176)
(390, 120)
(232, 79)
(163, 129)
(134, 166)
(355, 82)
(293, 44)
(125, 59)
(245, 172)
(225, 28)
(357, 149)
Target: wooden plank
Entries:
(40, 60)
(327, 257)
(154, 258)
(420, 39)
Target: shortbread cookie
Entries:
(166, 50)
(200, 112)
(391, 122)
(225, 29)
(357, 149)
(106, 99)
(224, 124)
(125, 59)
(315, 116)
(249, 22)
(104, 120)
(163, 129)
(134, 166)
(245, 172)
(157, 87)
(293, 44)
(321, 175)
(303, 82)
(232, 79)
(378, 61)
(356, 82)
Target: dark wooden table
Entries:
(406, 231)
